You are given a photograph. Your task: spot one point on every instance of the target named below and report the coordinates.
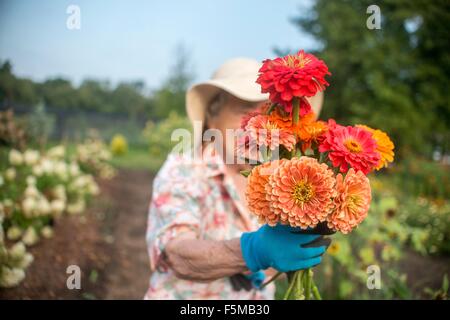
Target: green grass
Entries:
(137, 158)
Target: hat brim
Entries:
(200, 95)
(245, 88)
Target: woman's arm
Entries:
(281, 247)
(204, 260)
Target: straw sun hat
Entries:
(237, 77)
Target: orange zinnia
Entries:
(300, 191)
(352, 201)
(256, 193)
(385, 146)
(311, 131)
(281, 118)
(308, 130)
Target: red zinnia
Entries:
(350, 146)
(300, 75)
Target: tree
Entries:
(128, 97)
(394, 78)
(14, 89)
(59, 93)
(171, 95)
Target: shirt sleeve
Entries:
(174, 209)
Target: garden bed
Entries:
(107, 243)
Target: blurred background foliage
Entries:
(395, 78)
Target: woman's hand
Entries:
(279, 247)
(283, 248)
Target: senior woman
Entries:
(203, 243)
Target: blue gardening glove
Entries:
(256, 278)
(247, 282)
(283, 248)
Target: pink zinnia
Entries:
(246, 118)
(264, 131)
(350, 147)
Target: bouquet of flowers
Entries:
(307, 173)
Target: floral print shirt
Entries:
(195, 196)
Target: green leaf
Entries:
(245, 173)
(445, 284)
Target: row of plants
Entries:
(37, 187)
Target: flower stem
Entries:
(295, 111)
(316, 292)
(272, 106)
(295, 118)
(291, 286)
(271, 280)
(307, 284)
(299, 292)
(314, 289)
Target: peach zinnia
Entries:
(385, 146)
(256, 192)
(352, 201)
(300, 191)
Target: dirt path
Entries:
(107, 243)
(127, 277)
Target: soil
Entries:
(107, 243)
(424, 272)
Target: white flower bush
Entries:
(36, 188)
(13, 261)
(93, 156)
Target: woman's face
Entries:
(229, 117)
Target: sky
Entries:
(137, 40)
